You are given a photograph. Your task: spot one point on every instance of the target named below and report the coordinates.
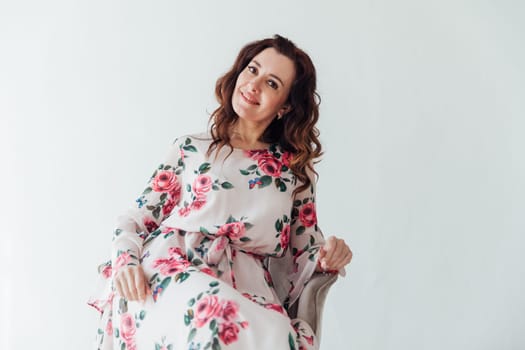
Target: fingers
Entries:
(130, 283)
(140, 284)
(336, 255)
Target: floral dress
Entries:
(204, 230)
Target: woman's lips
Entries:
(249, 100)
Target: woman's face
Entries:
(263, 86)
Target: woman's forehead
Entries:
(272, 62)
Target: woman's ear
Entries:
(284, 110)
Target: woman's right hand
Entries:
(131, 284)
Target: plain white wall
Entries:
(421, 118)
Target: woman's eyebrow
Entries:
(272, 75)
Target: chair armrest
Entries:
(311, 302)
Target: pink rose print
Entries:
(219, 244)
(165, 181)
(286, 158)
(168, 206)
(307, 215)
(109, 328)
(268, 278)
(122, 260)
(106, 272)
(309, 340)
(229, 310)
(233, 230)
(285, 237)
(270, 165)
(176, 252)
(127, 327)
(171, 266)
(202, 185)
(175, 192)
(198, 202)
(275, 307)
(184, 211)
(256, 154)
(150, 224)
(207, 308)
(228, 332)
(208, 271)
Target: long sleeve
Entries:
(306, 239)
(161, 195)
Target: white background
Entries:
(422, 120)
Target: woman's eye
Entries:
(272, 84)
(252, 69)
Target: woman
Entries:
(189, 267)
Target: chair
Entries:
(309, 307)
(310, 304)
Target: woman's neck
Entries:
(246, 137)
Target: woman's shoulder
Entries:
(193, 139)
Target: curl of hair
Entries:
(295, 132)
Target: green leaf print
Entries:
(189, 148)
(226, 185)
(191, 302)
(214, 284)
(196, 262)
(265, 181)
(147, 190)
(204, 230)
(244, 172)
(181, 277)
(142, 314)
(187, 141)
(300, 230)
(291, 341)
(156, 212)
(192, 334)
(123, 306)
(165, 282)
(153, 277)
(187, 320)
(204, 168)
(252, 167)
(189, 254)
(216, 345)
(279, 225)
(123, 346)
(244, 239)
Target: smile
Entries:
(250, 101)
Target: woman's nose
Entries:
(254, 84)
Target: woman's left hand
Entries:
(334, 255)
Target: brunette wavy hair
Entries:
(295, 131)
